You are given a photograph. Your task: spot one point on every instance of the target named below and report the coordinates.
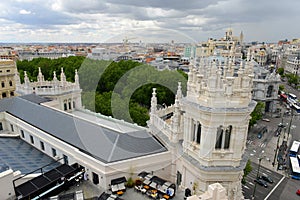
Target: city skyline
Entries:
(147, 21)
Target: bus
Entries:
(295, 168)
(291, 99)
(296, 107)
(294, 148)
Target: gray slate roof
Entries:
(105, 144)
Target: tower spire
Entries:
(26, 79)
(40, 77)
(77, 80)
(62, 77)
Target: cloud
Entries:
(98, 20)
(24, 12)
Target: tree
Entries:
(257, 113)
(293, 79)
(281, 87)
(280, 71)
(247, 170)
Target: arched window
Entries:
(10, 83)
(198, 139)
(219, 138)
(65, 105)
(270, 90)
(193, 130)
(70, 104)
(227, 137)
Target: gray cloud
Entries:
(198, 19)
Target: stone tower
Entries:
(208, 128)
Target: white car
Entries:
(266, 120)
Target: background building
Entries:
(7, 73)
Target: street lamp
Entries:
(257, 175)
(289, 129)
(276, 150)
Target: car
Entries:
(266, 120)
(259, 135)
(261, 182)
(298, 192)
(267, 178)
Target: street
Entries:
(264, 148)
(260, 191)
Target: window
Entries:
(54, 152)
(73, 104)
(10, 83)
(12, 94)
(8, 70)
(198, 139)
(42, 145)
(270, 90)
(22, 134)
(70, 105)
(65, 106)
(12, 127)
(1, 126)
(95, 178)
(219, 137)
(66, 159)
(3, 95)
(227, 137)
(223, 137)
(31, 139)
(2, 84)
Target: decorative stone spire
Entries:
(248, 55)
(179, 92)
(55, 80)
(176, 121)
(153, 102)
(62, 77)
(26, 79)
(17, 78)
(40, 77)
(77, 80)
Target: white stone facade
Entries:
(208, 130)
(67, 95)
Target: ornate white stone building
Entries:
(202, 143)
(66, 95)
(208, 129)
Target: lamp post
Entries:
(276, 150)
(257, 175)
(289, 129)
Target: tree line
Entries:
(111, 88)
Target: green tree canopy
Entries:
(257, 113)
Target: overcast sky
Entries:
(147, 20)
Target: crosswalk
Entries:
(261, 144)
(260, 192)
